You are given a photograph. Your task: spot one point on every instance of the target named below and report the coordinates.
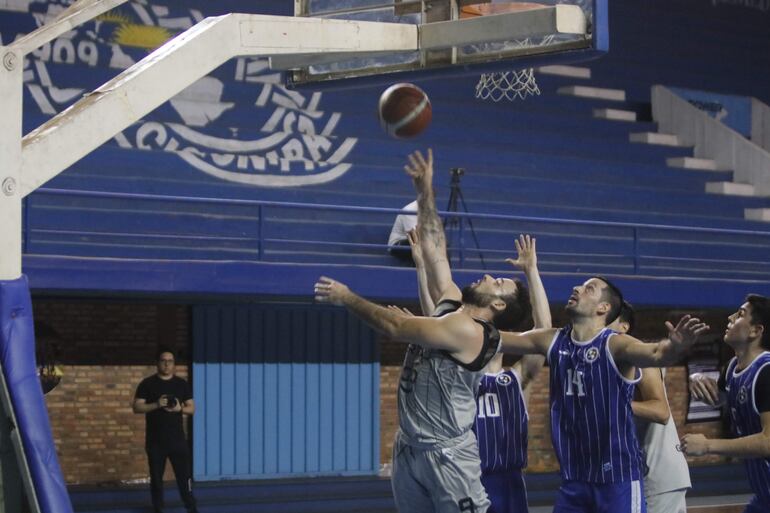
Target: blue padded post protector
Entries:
(17, 352)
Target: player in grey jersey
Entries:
(436, 463)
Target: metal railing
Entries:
(631, 236)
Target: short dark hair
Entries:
(612, 295)
(627, 315)
(760, 314)
(162, 350)
(518, 310)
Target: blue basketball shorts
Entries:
(506, 491)
(757, 506)
(582, 497)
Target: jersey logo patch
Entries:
(503, 379)
(591, 355)
(743, 395)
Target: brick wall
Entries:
(541, 455)
(106, 349)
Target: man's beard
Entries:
(474, 298)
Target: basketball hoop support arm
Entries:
(74, 133)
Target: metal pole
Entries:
(10, 162)
(10, 258)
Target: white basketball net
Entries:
(507, 85)
(510, 85)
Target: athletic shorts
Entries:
(668, 502)
(582, 497)
(440, 480)
(507, 492)
(756, 506)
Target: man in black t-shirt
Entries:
(163, 398)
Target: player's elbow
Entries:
(395, 328)
(660, 416)
(764, 451)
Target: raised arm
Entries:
(629, 351)
(423, 292)
(652, 405)
(431, 230)
(526, 261)
(454, 333)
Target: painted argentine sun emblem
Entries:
(503, 379)
(237, 124)
(591, 355)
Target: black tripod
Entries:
(454, 223)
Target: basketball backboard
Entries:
(459, 36)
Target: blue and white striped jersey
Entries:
(592, 426)
(746, 418)
(501, 423)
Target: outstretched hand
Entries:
(420, 169)
(705, 389)
(414, 243)
(526, 258)
(330, 291)
(686, 332)
(401, 309)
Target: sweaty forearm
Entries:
(427, 303)
(752, 446)
(381, 319)
(429, 224)
(541, 310)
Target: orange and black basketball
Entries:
(404, 110)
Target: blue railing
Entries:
(628, 245)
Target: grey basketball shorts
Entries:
(438, 479)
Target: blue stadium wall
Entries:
(237, 136)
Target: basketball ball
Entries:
(405, 110)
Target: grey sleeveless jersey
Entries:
(436, 394)
(667, 466)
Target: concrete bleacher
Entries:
(538, 166)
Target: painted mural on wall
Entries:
(237, 124)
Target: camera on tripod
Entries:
(454, 223)
(456, 173)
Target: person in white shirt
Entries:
(398, 239)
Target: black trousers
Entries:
(179, 456)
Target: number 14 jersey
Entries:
(592, 426)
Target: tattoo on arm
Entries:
(429, 223)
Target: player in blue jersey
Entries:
(667, 476)
(501, 419)
(593, 371)
(746, 387)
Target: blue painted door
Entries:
(283, 390)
